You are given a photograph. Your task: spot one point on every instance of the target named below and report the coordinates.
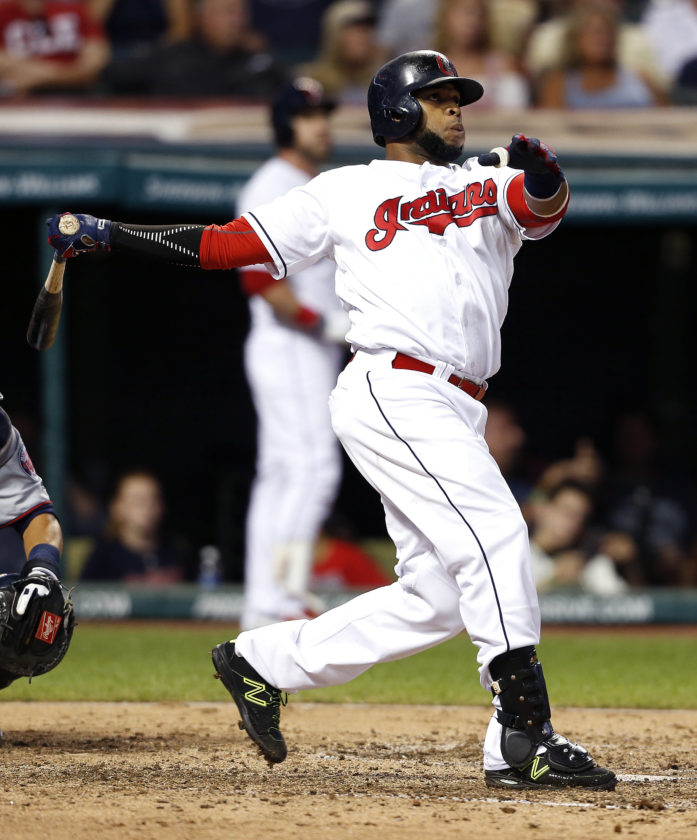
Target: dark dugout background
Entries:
(601, 320)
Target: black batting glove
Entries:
(543, 175)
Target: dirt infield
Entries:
(156, 771)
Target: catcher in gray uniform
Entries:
(36, 620)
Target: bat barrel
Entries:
(43, 324)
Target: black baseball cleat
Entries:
(258, 702)
(561, 765)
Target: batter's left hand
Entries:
(533, 156)
(91, 233)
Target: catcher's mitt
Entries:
(35, 637)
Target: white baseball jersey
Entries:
(424, 254)
(314, 287)
(424, 258)
(290, 374)
(21, 489)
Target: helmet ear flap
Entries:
(394, 114)
(406, 115)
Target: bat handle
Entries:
(497, 157)
(54, 279)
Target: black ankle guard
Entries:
(524, 716)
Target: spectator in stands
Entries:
(652, 501)
(684, 90)
(548, 45)
(505, 438)
(585, 466)
(406, 25)
(49, 47)
(464, 34)
(134, 24)
(671, 28)
(349, 55)
(224, 57)
(292, 29)
(564, 550)
(591, 75)
(134, 549)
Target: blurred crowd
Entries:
(570, 54)
(599, 522)
(602, 522)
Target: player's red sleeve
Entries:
(231, 246)
(519, 207)
(254, 281)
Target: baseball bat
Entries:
(43, 324)
(497, 157)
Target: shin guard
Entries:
(525, 715)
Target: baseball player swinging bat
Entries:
(43, 324)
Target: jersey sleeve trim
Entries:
(515, 196)
(22, 521)
(274, 253)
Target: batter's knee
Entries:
(432, 599)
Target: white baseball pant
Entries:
(462, 543)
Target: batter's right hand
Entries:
(81, 234)
(533, 157)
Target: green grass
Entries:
(172, 662)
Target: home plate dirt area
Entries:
(101, 771)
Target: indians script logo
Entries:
(48, 627)
(435, 211)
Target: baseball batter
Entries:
(34, 630)
(292, 354)
(424, 254)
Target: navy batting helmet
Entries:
(394, 110)
(302, 95)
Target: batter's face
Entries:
(441, 134)
(312, 136)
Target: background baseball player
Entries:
(424, 252)
(36, 622)
(293, 354)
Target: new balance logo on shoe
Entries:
(537, 771)
(258, 703)
(258, 688)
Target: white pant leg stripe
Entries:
(450, 502)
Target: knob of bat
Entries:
(69, 224)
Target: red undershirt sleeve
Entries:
(232, 245)
(523, 214)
